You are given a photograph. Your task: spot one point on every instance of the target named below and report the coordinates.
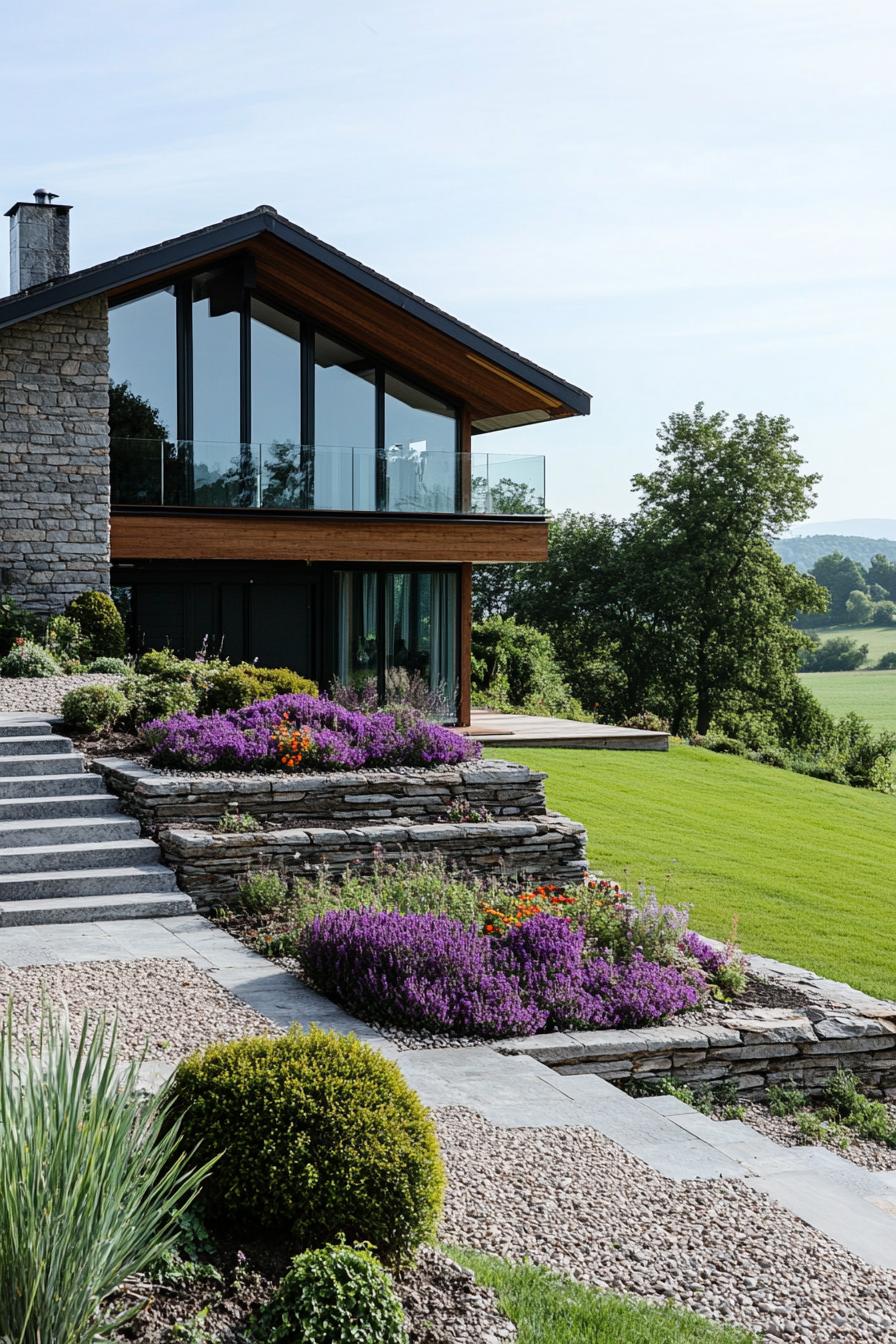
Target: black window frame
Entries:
(309, 329)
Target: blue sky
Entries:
(663, 202)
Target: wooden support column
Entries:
(465, 606)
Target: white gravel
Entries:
(43, 695)
(783, 1129)
(575, 1202)
(168, 1006)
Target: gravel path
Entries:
(574, 1201)
(43, 695)
(783, 1129)
(170, 1006)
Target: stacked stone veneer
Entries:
(210, 866)
(54, 455)
(839, 1027)
(334, 799)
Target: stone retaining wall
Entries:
(210, 865)
(840, 1027)
(506, 790)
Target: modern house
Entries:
(260, 444)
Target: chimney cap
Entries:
(41, 197)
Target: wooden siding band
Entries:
(158, 537)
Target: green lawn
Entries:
(880, 639)
(807, 867)
(547, 1309)
(871, 694)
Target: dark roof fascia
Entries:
(232, 233)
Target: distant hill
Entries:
(804, 551)
(853, 527)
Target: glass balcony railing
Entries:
(401, 479)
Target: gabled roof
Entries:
(502, 387)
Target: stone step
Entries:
(64, 763)
(22, 728)
(132, 878)
(65, 858)
(92, 804)
(63, 832)
(87, 909)
(51, 786)
(42, 744)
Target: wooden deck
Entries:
(531, 730)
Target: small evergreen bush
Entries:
(887, 661)
(115, 666)
(100, 623)
(321, 1138)
(262, 891)
(157, 698)
(66, 640)
(92, 708)
(336, 1295)
(166, 666)
(230, 688)
(29, 660)
(279, 681)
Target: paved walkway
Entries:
(855, 1207)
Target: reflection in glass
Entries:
(344, 428)
(357, 646)
(142, 394)
(275, 369)
(217, 468)
(420, 634)
(421, 441)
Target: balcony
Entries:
(404, 479)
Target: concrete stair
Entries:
(67, 853)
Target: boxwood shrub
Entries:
(100, 623)
(321, 1138)
(92, 708)
(335, 1295)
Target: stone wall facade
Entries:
(505, 790)
(54, 455)
(211, 865)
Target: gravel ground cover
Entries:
(783, 1129)
(43, 695)
(169, 1005)
(573, 1201)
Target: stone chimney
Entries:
(38, 241)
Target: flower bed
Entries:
(399, 950)
(301, 732)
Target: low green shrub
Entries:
(887, 661)
(156, 698)
(17, 622)
(728, 746)
(166, 666)
(771, 755)
(89, 709)
(29, 660)
(321, 1138)
(279, 681)
(109, 665)
(229, 687)
(785, 1100)
(261, 892)
(92, 1181)
(335, 1295)
(100, 623)
(66, 640)
(647, 721)
(846, 1102)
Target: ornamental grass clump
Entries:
(93, 1179)
(325, 736)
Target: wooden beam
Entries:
(170, 535)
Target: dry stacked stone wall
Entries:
(54, 455)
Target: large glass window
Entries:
(344, 428)
(415, 640)
(275, 375)
(219, 472)
(420, 450)
(142, 395)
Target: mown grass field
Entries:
(807, 868)
(871, 694)
(880, 639)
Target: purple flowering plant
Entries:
(341, 739)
